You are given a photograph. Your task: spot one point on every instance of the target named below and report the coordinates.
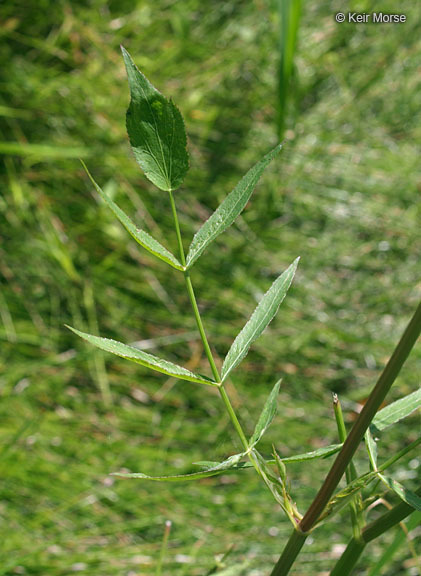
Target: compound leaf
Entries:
(156, 131)
(230, 208)
(148, 360)
(263, 314)
(142, 237)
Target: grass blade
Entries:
(267, 415)
(156, 131)
(396, 411)
(148, 360)
(43, 152)
(289, 13)
(260, 318)
(219, 468)
(230, 208)
(142, 237)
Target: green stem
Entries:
(388, 520)
(204, 339)
(354, 438)
(164, 547)
(192, 296)
(291, 551)
(177, 230)
(350, 472)
(233, 417)
(355, 547)
(349, 558)
(399, 455)
(363, 421)
(208, 351)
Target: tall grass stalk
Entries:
(159, 143)
(289, 19)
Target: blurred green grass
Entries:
(344, 195)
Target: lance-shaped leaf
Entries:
(148, 360)
(265, 311)
(404, 494)
(219, 468)
(156, 131)
(267, 415)
(142, 237)
(324, 452)
(230, 208)
(396, 411)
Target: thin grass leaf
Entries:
(156, 131)
(44, 151)
(142, 237)
(267, 415)
(289, 14)
(261, 317)
(148, 360)
(230, 208)
(404, 494)
(219, 468)
(324, 452)
(396, 411)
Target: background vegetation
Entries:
(344, 194)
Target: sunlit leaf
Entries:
(404, 494)
(230, 208)
(324, 452)
(219, 468)
(396, 411)
(148, 360)
(267, 415)
(142, 237)
(156, 131)
(261, 317)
